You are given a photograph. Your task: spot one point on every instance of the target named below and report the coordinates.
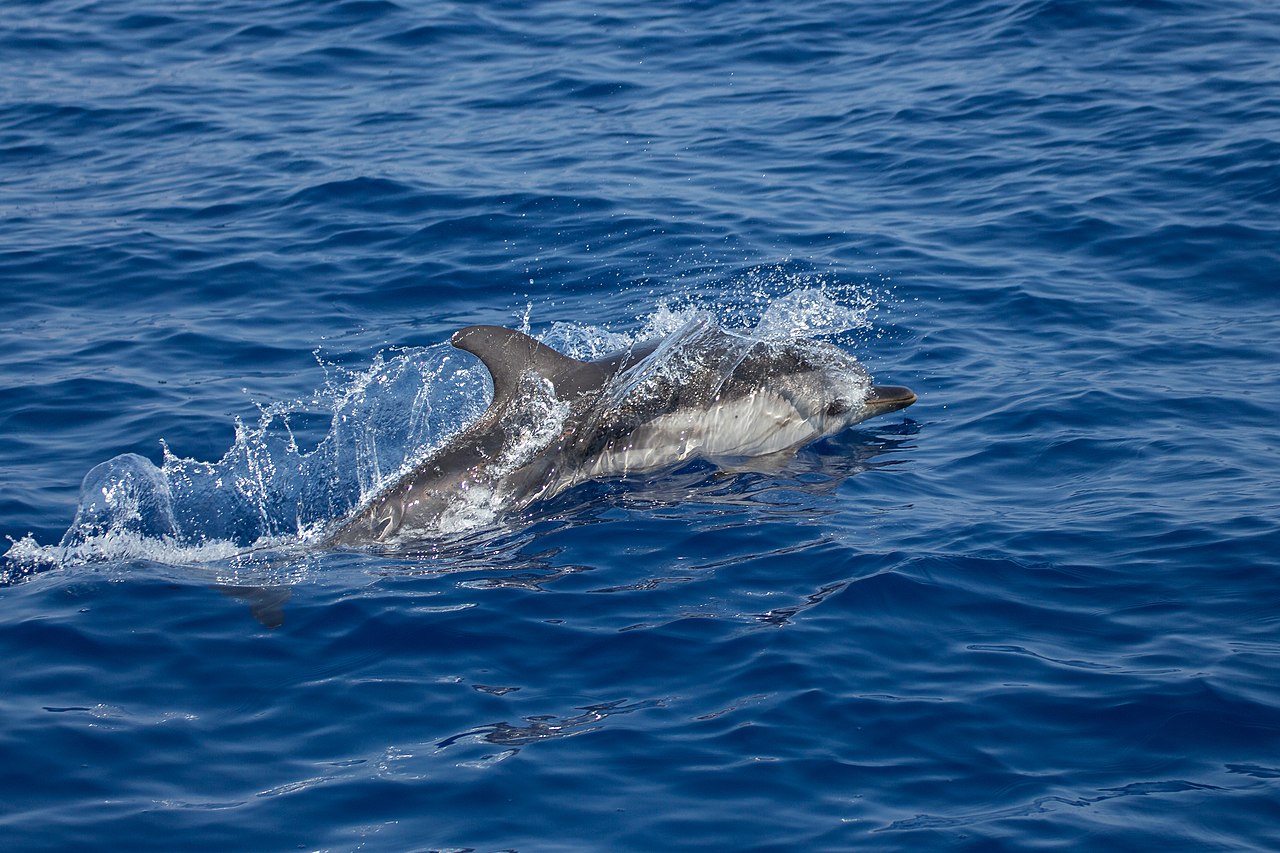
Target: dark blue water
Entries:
(1040, 609)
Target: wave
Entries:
(274, 489)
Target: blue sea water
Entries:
(1040, 609)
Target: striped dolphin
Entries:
(557, 421)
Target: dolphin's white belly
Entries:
(756, 425)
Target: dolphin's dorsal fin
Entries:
(508, 355)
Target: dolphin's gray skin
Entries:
(556, 421)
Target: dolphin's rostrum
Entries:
(556, 421)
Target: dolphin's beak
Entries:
(888, 398)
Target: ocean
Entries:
(1037, 610)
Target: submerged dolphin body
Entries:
(556, 421)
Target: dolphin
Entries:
(556, 421)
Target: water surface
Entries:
(1035, 610)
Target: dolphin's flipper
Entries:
(265, 603)
(770, 463)
(508, 355)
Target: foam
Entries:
(268, 491)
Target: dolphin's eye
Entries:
(837, 407)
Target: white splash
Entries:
(268, 491)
